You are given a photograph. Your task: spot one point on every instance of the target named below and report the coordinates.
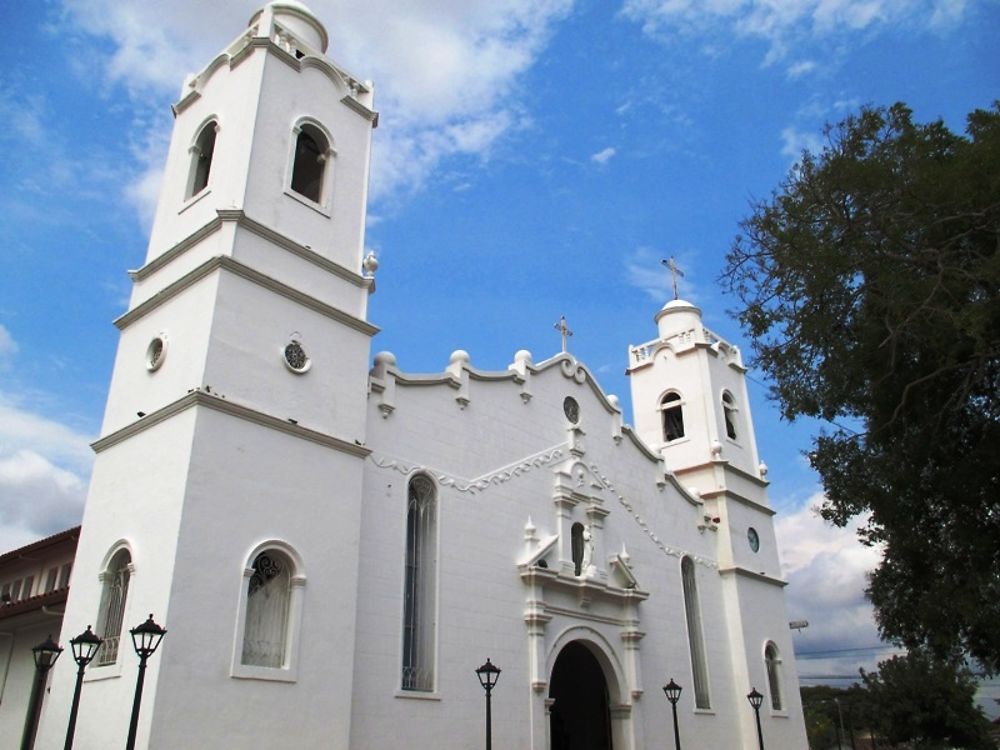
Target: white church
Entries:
(334, 545)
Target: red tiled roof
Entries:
(50, 541)
(58, 596)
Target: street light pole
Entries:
(145, 639)
(45, 654)
(488, 675)
(85, 648)
(673, 692)
(756, 699)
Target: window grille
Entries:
(772, 662)
(112, 611)
(265, 635)
(420, 587)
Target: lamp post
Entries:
(85, 648)
(673, 692)
(45, 654)
(488, 675)
(756, 699)
(145, 638)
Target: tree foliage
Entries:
(928, 702)
(870, 289)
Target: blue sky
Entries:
(535, 158)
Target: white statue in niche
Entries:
(589, 569)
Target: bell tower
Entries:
(227, 486)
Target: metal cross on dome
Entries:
(564, 331)
(675, 271)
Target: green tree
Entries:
(870, 289)
(927, 701)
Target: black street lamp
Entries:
(756, 699)
(45, 654)
(145, 639)
(85, 648)
(673, 692)
(488, 675)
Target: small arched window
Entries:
(202, 153)
(265, 636)
(420, 586)
(673, 416)
(309, 164)
(577, 545)
(114, 592)
(696, 639)
(773, 664)
(729, 414)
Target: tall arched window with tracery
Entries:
(420, 586)
(265, 637)
(773, 664)
(696, 640)
(672, 407)
(114, 593)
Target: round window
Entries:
(295, 357)
(753, 538)
(571, 409)
(155, 353)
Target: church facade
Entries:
(334, 544)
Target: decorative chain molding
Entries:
(665, 548)
(472, 486)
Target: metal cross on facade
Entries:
(675, 271)
(564, 330)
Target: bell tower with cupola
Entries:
(229, 469)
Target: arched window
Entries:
(577, 547)
(696, 641)
(773, 664)
(201, 158)
(420, 586)
(729, 414)
(673, 416)
(114, 591)
(309, 164)
(269, 590)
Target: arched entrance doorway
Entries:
(579, 718)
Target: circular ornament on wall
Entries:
(571, 409)
(296, 358)
(753, 538)
(156, 352)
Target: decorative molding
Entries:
(361, 109)
(200, 398)
(224, 262)
(663, 546)
(763, 577)
(472, 486)
(261, 230)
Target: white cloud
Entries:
(827, 569)
(604, 155)
(801, 68)
(8, 346)
(795, 141)
(444, 72)
(786, 24)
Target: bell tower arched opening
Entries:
(580, 713)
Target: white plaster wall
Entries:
(17, 666)
(248, 484)
(251, 327)
(186, 320)
(291, 94)
(481, 599)
(136, 494)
